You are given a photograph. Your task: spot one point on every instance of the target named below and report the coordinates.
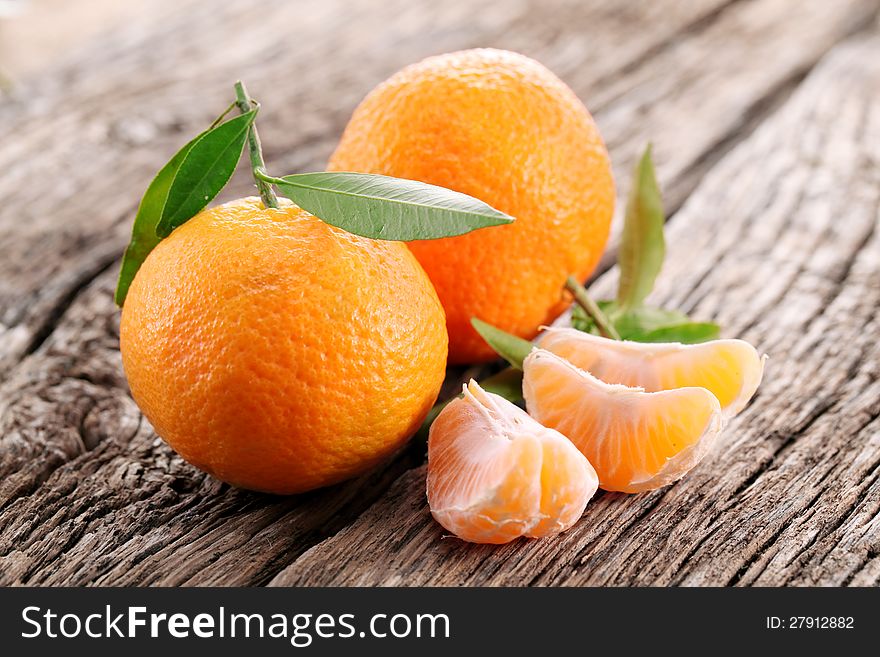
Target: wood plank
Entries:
(81, 473)
(32, 38)
(781, 245)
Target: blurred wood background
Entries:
(765, 117)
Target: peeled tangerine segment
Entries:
(730, 369)
(495, 474)
(636, 440)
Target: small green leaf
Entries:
(643, 320)
(145, 231)
(143, 234)
(583, 322)
(205, 170)
(507, 383)
(642, 246)
(510, 347)
(686, 332)
(646, 324)
(387, 208)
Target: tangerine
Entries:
(500, 127)
(279, 353)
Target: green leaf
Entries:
(507, 383)
(510, 347)
(641, 321)
(205, 170)
(583, 322)
(145, 231)
(648, 324)
(642, 246)
(143, 234)
(387, 208)
(686, 332)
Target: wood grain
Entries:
(780, 244)
(88, 493)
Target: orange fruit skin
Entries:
(500, 127)
(278, 353)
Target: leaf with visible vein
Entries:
(643, 320)
(642, 245)
(647, 324)
(143, 233)
(205, 170)
(381, 207)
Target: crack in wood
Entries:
(829, 531)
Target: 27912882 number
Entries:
(811, 623)
(821, 622)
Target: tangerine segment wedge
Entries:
(636, 440)
(730, 369)
(495, 474)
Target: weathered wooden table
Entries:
(765, 116)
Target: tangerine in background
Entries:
(279, 353)
(500, 127)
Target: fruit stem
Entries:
(255, 148)
(585, 301)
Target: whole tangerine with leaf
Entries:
(501, 127)
(275, 350)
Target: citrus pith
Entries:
(494, 474)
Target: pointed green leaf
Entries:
(143, 234)
(205, 170)
(642, 246)
(507, 383)
(145, 231)
(686, 332)
(381, 207)
(643, 320)
(510, 347)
